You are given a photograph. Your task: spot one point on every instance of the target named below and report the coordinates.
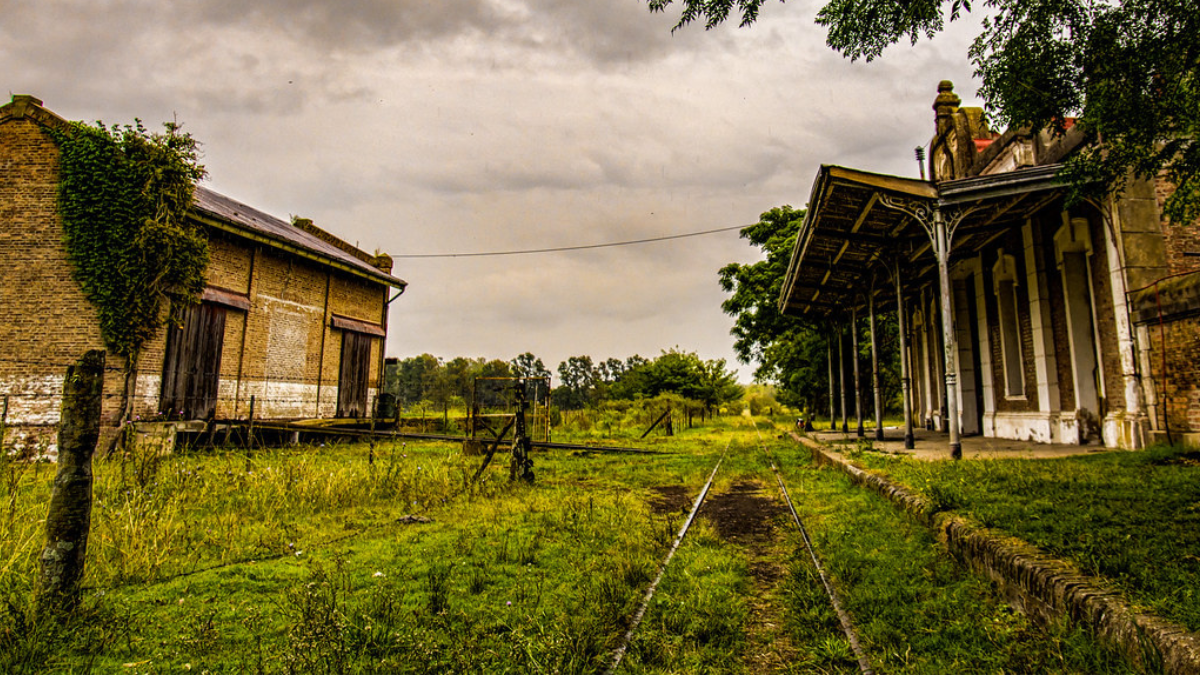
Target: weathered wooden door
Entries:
(355, 370)
(192, 367)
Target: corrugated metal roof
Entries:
(848, 231)
(216, 205)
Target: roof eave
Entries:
(225, 225)
(996, 186)
(830, 174)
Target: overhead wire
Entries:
(560, 249)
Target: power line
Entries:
(560, 249)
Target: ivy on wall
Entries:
(123, 199)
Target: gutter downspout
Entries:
(237, 390)
(1162, 338)
(380, 380)
(324, 331)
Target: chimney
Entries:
(21, 104)
(944, 106)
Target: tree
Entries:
(682, 373)
(577, 383)
(460, 376)
(755, 287)
(790, 352)
(716, 385)
(417, 378)
(610, 370)
(1125, 70)
(785, 349)
(529, 366)
(495, 368)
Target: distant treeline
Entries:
(580, 382)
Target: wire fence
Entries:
(31, 397)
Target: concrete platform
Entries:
(934, 445)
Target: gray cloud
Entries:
(476, 125)
(606, 32)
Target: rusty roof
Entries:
(230, 215)
(248, 221)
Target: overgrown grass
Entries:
(918, 612)
(300, 560)
(198, 510)
(1132, 518)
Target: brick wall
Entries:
(1180, 238)
(1178, 386)
(283, 350)
(1013, 245)
(230, 263)
(1058, 319)
(1177, 380)
(45, 322)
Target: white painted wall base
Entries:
(1118, 429)
(1036, 427)
(1126, 431)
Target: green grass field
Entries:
(319, 560)
(1132, 518)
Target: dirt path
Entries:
(748, 516)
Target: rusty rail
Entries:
(864, 664)
(619, 653)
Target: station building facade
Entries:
(292, 321)
(1022, 317)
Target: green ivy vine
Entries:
(123, 198)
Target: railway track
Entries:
(844, 619)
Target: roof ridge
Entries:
(27, 106)
(307, 225)
(245, 217)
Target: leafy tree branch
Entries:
(123, 199)
(1125, 71)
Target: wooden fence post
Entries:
(70, 515)
(4, 423)
(250, 426)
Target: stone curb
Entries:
(1037, 584)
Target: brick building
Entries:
(1022, 317)
(292, 317)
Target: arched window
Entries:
(1005, 276)
(1073, 248)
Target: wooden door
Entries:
(355, 371)
(192, 367)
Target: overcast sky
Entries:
(460, 126)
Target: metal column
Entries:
(842, 378)
(905, 381)
(875, 384)
(941, 238)
(857, 380)
(929, 216)
(832, 400)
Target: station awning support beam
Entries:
(875, 384)
(940, 227)
(832, 398)
(905, 376)
(858, 399)
(842, 377)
